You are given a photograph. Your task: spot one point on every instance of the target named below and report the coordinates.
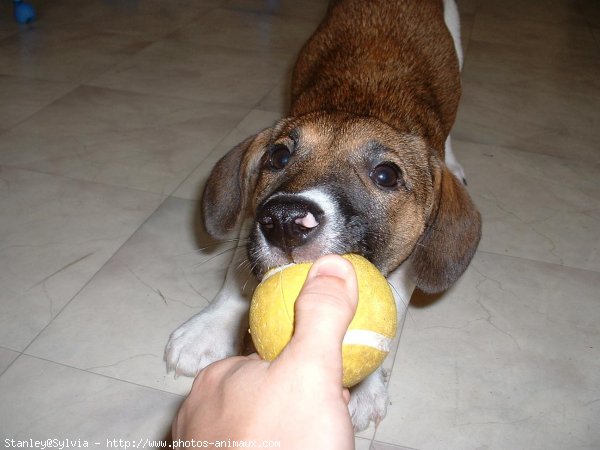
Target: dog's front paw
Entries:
(199, 342)
(368, 401)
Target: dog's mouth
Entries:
(265, 258)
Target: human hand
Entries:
(298, 398)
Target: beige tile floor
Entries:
(111, 116)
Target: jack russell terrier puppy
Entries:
(362, 164)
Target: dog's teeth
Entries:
(307, 221)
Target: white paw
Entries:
(458, 171)
(199, 342)
(368, 401)
(452, 163)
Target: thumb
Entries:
(323, 311)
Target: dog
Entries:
(362, 164)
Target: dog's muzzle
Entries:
(288, 222)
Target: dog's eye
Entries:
(386, 175)
(279, 156)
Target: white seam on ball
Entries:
(367, 338)
(278, 269)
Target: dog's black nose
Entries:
(288, 222)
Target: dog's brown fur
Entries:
(399, 66)
(376, 74)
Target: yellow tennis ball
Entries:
(367, 340)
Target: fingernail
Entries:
(331, 266)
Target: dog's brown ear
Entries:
(229, 185)
(451, 237)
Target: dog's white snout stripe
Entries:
(367, 338)
(307, 221)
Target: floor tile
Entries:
(383, 446)
(139, 141)
(43, 400)
(151, 18)
(529, 33)
(7, 26)
(466, 30)
(201, 72)
(535, 206)
(467, 6)
(21, 97)
(596, 33)
(307, 9)
(507, 359)
(530, 100)
(362, 444)
(56, 14)
(547, 11)
(119, 324)
(591, 12)
(65, 53)
(279, 98)
(154, 18)
(6, 358)
(58, 234)
(247, 30)
(255, 121)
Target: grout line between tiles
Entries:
(98, 374)
(388, 444)
(456, 144)
(562, 266)
(197, 45)
(75, 86)
(159, 96)
(172, 194)
(10, 365)
(13, 361)
(81, 180)
(94, 275)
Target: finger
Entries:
(323, 311)
(346, 395)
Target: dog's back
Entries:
(389, 59)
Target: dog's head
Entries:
(336, 183)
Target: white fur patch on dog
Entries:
(452, 20)
(369, 400)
